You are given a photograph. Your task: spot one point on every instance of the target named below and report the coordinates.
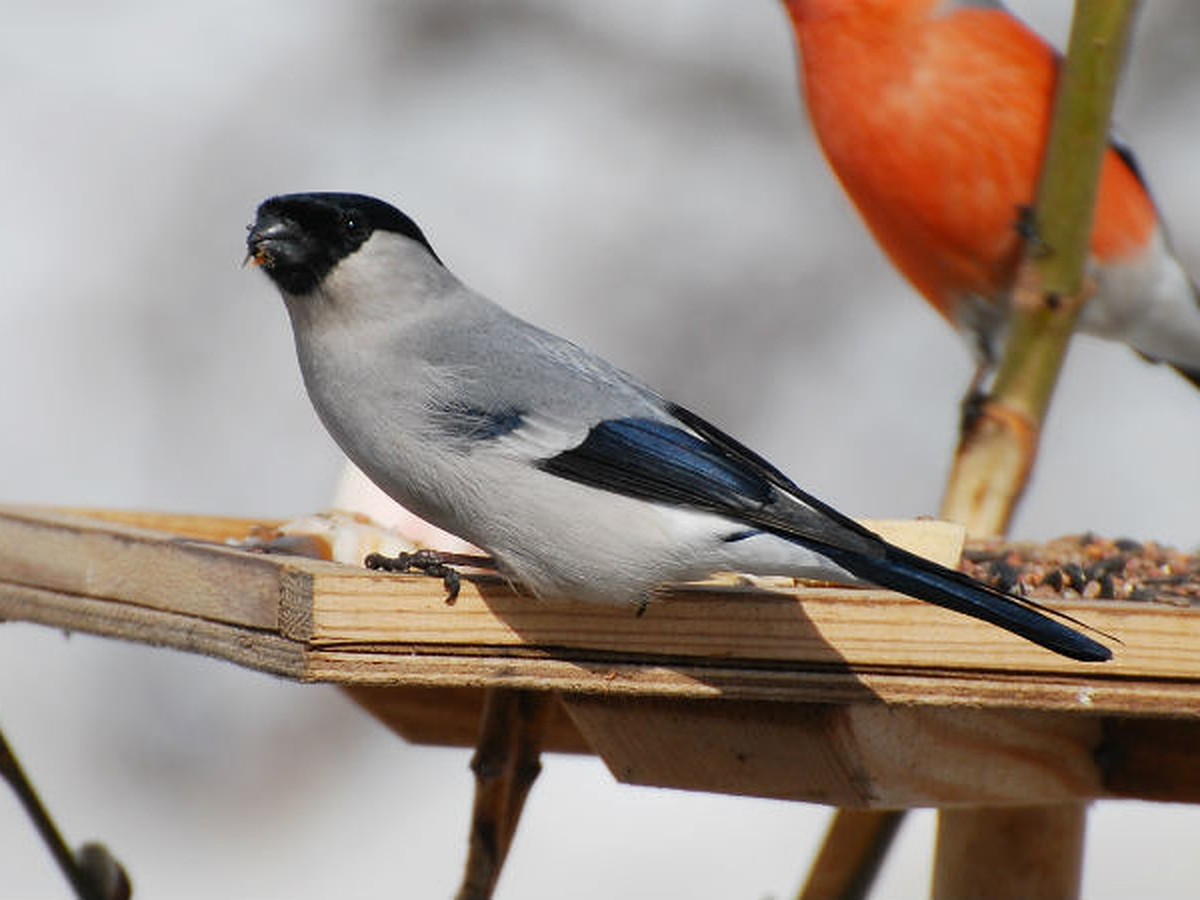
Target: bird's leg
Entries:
(430, 562)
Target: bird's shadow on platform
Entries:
(730, 640)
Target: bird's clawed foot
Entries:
(428, 562)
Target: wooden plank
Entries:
(934, 539)
(449, 717)
(217, 529)
(626, 674)
(713, 688)
(830, 626)
(472, 667)
(253, 648)
(845, 755)
(365, 627)
(80, 556)
(1138, 756)
(1151, 759)
(647, 678)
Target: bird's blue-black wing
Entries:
(654, 460)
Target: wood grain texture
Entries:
(79, 556)
(186, 525)
(1032, 853)
(845, 755)
(894, 702)
(347, 625)
(623, 675)
(253, 648)
(450, 716)
(830, 626)
(1151, 759)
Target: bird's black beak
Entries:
(269, 241)
(288, 241)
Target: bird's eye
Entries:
(355, 227)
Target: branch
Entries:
(996, 454)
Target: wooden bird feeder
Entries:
(856, 698)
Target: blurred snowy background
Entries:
(636, 175)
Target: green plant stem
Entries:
(995, 457)
(1044, 318)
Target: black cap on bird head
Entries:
(298, 238)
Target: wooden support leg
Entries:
(506, 763)
(1027, 852)
(855, 846)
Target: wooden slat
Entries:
(451, 666)
(1151, 759)
(647, 678)
(626, 675)
(253, 648)
(450, 716)
(831, 626)
(854, 755)
(80, 556)
(856, 697)
(355, 626)
(186, 525)
(1136, 757)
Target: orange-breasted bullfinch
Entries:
(934, 115)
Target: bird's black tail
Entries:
(798, 516)
(915, 576)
